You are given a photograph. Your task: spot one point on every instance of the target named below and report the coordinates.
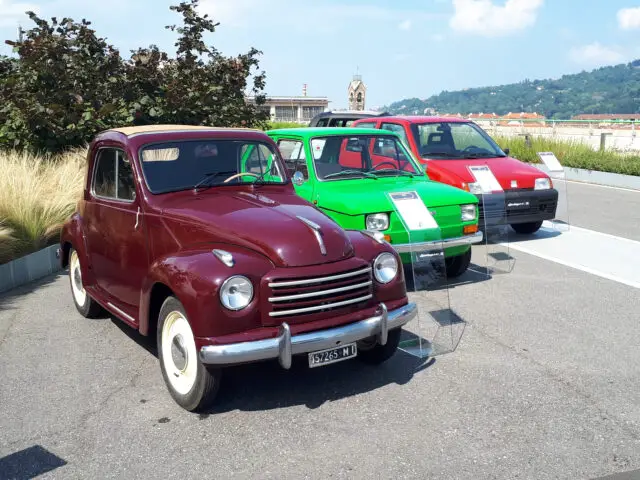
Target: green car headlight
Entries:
(236, 292)
(377, 221)
(468, 212)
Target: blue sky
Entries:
(407, 48)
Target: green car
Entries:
(349, 172)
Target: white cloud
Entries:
(405, 25)
(596, 54)
(629, 18)
(11, 13)
(483, 17)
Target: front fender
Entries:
(195, 277)
(368, 249)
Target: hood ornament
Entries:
(317, 231)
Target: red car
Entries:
(184, 234)
(449, 146)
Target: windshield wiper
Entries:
(481, 155)
(352, 172)
(394, 170)
(209, 176)
(440, 154)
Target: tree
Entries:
(67, 83)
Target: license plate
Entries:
(332, 355)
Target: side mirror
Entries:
(506, 151)
(298, 178)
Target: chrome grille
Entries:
(299, 296)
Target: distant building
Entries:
(523, 118)
(298, 109)
(357, 93)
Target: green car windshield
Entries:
(340, 157)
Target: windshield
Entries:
(182, 165)
(454, 140)
(357, 156)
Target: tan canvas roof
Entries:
(128, 131)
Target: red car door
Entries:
(115, 229)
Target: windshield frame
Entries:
(274, 150)
(415, 133)
(419, 171)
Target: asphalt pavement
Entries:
(543, 384)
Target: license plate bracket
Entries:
(332, 355)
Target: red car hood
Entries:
(505, 169)
(266, 223)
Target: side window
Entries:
(292, 152)
(323, 122)
(399, 129)
(113, 176)
(366, 125)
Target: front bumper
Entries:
(437, 245)
(284, 346)
(517, 206)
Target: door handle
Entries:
(137, 219)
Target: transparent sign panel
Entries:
(494, 204)
(559, 182)
(437, 330)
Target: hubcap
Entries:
(179, 356)
(179, 353)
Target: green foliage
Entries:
(571, 154)
(275, 125)
(613, 89)
(67, 84)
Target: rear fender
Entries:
(72, 235)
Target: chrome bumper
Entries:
(438, 244)
(284, 345)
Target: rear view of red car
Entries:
(448, 147)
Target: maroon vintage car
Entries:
(196, 235)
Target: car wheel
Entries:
(459, 264)
(526, 228)
(192, 384)
(371, 352)
(86, 305)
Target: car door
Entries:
(115, 229)
(295, 159)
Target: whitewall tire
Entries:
(192, 384)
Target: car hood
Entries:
(505, 169)
(366, 196)
(266, 223)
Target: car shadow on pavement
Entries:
(266, 385)
(8, 298)
(543, 233)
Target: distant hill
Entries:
(613, 89)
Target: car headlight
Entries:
(542, 184)
(468, 212)
(236, 292)
(475, 187)
(385, 267)
(377, 221)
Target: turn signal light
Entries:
(387, 238)
(469, 229)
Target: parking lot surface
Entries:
(544, 383)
